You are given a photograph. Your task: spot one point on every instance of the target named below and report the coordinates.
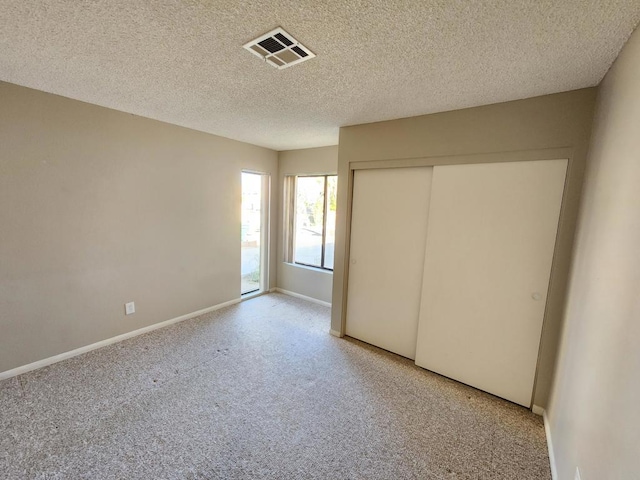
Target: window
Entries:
(313, 223)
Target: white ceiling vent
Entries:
(279, 49)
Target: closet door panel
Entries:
(490, 243)
(388, 234)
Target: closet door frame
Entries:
(495, 157)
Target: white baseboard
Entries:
(537, 410)
(552, 457)
(103, 343)
(335, 333)
(303, 297)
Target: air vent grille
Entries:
(283, 39)
(279, 49)
(271, 44)
(299, 51)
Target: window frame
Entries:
(293, 224)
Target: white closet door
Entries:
(492, 231)
(388, 234)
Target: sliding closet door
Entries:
(388, 233)
(492, 231)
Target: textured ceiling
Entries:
(182, 61)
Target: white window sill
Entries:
(306, 267)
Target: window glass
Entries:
(313, 241)
(309, 221)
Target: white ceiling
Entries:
(182, 61)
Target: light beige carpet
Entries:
(258, 390)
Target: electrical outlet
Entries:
(129, 308)
(577, 477)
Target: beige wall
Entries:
(528, 127)
(310, 282)
(98, 208)
(594, 412)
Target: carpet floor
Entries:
(259, 390)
